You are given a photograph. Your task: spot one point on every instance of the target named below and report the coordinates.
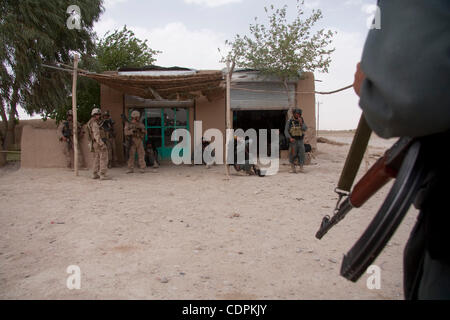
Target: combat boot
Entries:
(105, 177)
(142, 170)
(293, 168)
(95, 176)
(300, 169)
(130, 171)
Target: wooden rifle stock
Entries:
(377, 176)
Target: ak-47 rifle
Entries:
(404, 162)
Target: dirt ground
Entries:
(186, 232)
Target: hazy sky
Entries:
(188, 32)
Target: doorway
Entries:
(160, 123)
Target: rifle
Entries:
(404, 162)
(127, 139)
(108, 126)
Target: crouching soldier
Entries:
(136, 130)
(97, 138)
(295, 132)
(67, 137)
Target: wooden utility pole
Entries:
(75, 117)
(228, 115)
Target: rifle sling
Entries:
(355, 155)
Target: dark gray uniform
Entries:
(294, 130)
(406, 93)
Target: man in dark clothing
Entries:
(294, 131)
(403, 83)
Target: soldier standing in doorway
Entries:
(67, 138)
(97, 137)
(136, 130)
(108, 125)
(295, 132)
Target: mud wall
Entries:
(306, 100)
(41, 148)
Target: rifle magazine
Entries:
(389, 216)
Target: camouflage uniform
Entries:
(98, 146)
(137, 132)
(66, 137)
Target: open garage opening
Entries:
(262, 119)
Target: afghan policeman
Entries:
(295, 132)
(136, 130)
(404, 93)
(97, 137)
(67, 138)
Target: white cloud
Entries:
(108, 4)
(211, 3)
(353, 3)
(183, 47)
(105, 25)
(312, 4)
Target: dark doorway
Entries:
(262, 119)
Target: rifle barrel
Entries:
(328, 223)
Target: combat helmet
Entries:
(96, 111)
(135, 114)
(298, 111)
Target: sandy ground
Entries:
(188, 233)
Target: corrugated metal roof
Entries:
(261, 95)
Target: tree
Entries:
(33, 33)
(283, 48)
(122, 49)
(117, 50)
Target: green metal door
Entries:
(160, 123)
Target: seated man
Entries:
(151, 154)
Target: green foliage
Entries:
(123, 49)
(33, 33)
(283, 48)
(114, 51)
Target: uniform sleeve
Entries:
(286, 130)
(407, 68)
(61, 131)
(127, 130)
(304, 126)
(142, 128)
(96, 132)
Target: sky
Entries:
(189, 33)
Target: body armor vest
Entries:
(296, 129)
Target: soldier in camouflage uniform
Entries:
(294, 131)
(108, 125)
(136, 130)
(97, 137)
(67, 137)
